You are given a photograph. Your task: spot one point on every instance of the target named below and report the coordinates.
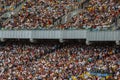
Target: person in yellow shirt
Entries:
(23, 7)
(11, 8)
(74, 78)
(88, 74)
(81, 76)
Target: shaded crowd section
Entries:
(50, 60)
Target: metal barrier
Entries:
(103, 36)
(61, 34)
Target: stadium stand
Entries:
(45, 40)
(41, 14)
(97, 14)
(69, 61)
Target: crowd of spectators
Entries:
(8, 5)
(40, 14)
(97, 14)
(71, 61)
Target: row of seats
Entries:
(21, 61)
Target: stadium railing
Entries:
(61, 34)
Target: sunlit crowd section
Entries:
(42, 14)
(98, 14)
